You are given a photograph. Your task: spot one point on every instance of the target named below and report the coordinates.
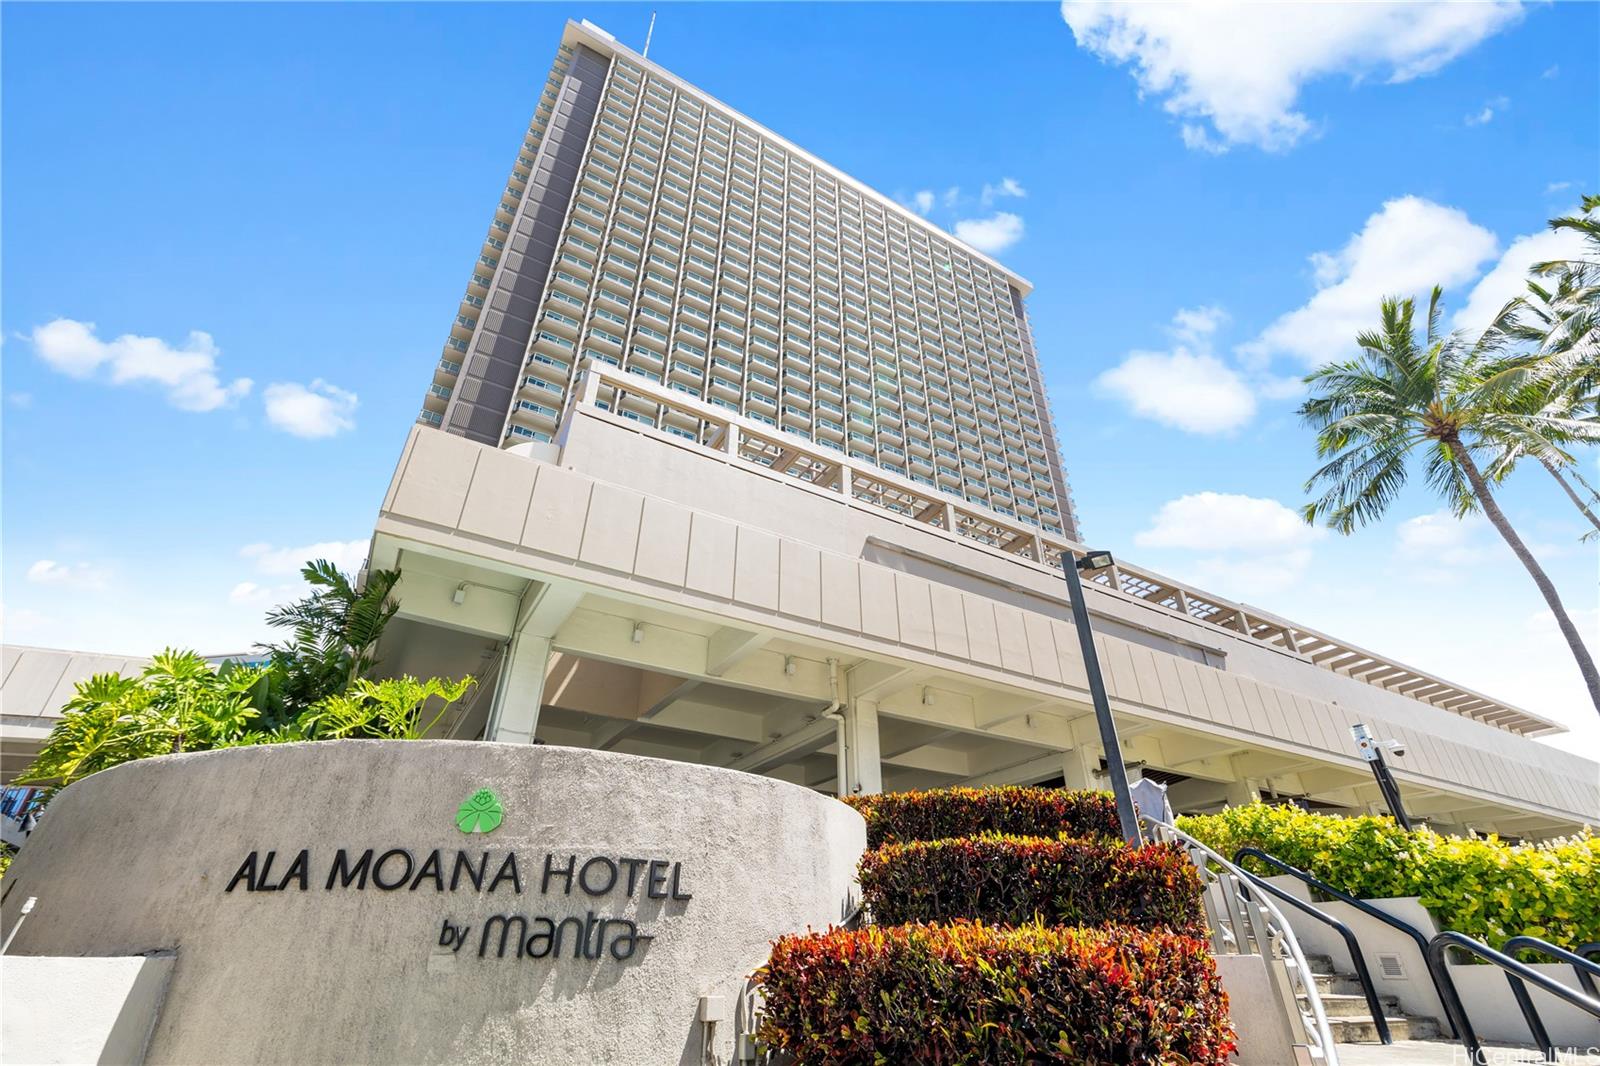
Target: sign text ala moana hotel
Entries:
(596, 877)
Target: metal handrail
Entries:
(1586, 971)
(1440, 980)
(1351, 944)
(1588, 951)
(1437, 961)
(1284, 937)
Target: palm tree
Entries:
(1398, 400)
(1552, 332)
(334, 635)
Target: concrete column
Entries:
(1079, 767)
(863, 763)
(515, 714)
(1242, 792)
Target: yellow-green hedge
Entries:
(1487, 889)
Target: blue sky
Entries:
(1207, 207)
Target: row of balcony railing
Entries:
(603, 391)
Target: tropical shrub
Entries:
(1487, 889)
(178, 703)
(1013, 880)
(973, 993)
(940, 814)
(311, 688)
(395, 708)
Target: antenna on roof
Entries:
(647, 35)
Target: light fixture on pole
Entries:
(1372, 751)
(1126, 816)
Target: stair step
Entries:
(1337, 983)
(1320, 964)
(1361, 1029)
(1346, 1005)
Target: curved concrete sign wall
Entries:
(424, 901)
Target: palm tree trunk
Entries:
(1593, 495)
(1491, 509)
(1577, 501)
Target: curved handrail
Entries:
(1314, 1001)
(1586, 971)
(1351, 944)
(1440, 980)
(1450, 938)
(1588, 951)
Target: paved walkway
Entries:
(1444, 1053)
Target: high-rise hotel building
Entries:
(652, 228)
(732, 460)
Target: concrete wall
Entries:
(1258, 1019)
(80, 1010)
(140, 857)
(1483, 988)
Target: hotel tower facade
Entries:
(649, 228)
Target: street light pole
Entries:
(1372, 751)
(1097, 690)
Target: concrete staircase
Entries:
(1350, 1018)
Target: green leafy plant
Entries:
(333, 639)
(973, 993)
(940, 814)
(1487, 889)
(178, 703)
(1014, 880)
(396, 708)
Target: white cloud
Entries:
(1195, 325)
(19, 622)
(250, 593)
(23, 400)
(1194, 392)
(310, 411)
(1234, 71)
(68, 575)
(1440, 539)
(347, 555)
(1557, 186)
(1508, 278)
(1404, 249)
(1006, 187)
(1227, 522)
(1486, 114)
(993, 234)
(1188, 387)
(1551, 73)
(1245, 546)
(922, 201)
(188, 374)
(1197, 138)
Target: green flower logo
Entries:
(480, 813)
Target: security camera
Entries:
(1395, 747)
